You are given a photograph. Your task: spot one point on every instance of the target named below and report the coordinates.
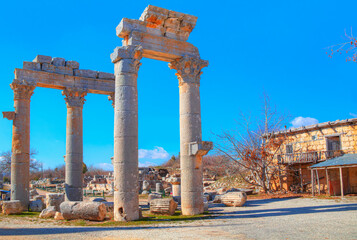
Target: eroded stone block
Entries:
(64, 70)
(85, 73)
(32, 66)
(43, 59)
(104, 75)
(83, 210)
(166, 206)
(58, 61)
(154, 16)
(72, 64)
(48, 67)
(11, 207)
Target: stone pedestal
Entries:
(176, 189)
(74, 144)
(188, 73)
(126, 175)
(20, 159)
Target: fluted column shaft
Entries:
(188, 73)
(20, 159)
(126, 200)
(74, 144)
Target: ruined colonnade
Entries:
(159, 34)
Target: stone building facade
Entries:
(305, 146)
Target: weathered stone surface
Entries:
(158, 187)
(85, 73)
(36, 206)
(9, 115)
(33, 193)
(11, 207)
(49, 212)
(234, 199)
(217, 199)
(58, 61)
(72, 64)
(64, 70)
(205, 203)
(32, 66)
(58, 216)
(153, 196)
(94, 211)
(104, 75)
(43, 59)
(47, 67)
(55, 200)
(165, 206)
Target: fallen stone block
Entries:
(165, 206)
(36, 206)
(58, 61)
(43, 59)
(217, 199)
(94, 211)
(58, 216)
(32, 66)
(72, 64)
(11, 207)
(49, 212)
(234, 199)
(153, 196)
(33, 193)
(54, 199)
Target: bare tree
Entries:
(5, 161)
(349, 47)
(255, 150)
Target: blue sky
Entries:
(277, 47)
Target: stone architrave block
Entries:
(48, 67)
(165, 206)
(234, 199)
(154, 16)
(43, 59)
(104, 75)
(94, 211)
(32, 66)
(85, 73)
(55, 200)
(11, 207)
(58, 61)
(72, 64)
(64, 70)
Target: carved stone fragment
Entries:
(234, 199)
(94, 211)
(165, 206)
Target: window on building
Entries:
(289, 149)
(333, 143)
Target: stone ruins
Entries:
(159, 34)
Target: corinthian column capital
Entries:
(74, 96)
(188, 69)
(132, 54)
(22, 89)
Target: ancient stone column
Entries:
(188, 73)
(20, 159)
(126, 174)
(74, 143)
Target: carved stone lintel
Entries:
(22, 89)
(111, 98)
(135, 53)
(188, 69)
(74, 96)
(9, 115)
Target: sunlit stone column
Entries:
(74, 143)
(126, 175)
(188, 73)
(20, 159)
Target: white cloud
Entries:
(353, 115)
(303, 121)
(105, 166)
(156, 153)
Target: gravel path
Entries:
(299, 218)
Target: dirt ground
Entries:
(280, 218)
